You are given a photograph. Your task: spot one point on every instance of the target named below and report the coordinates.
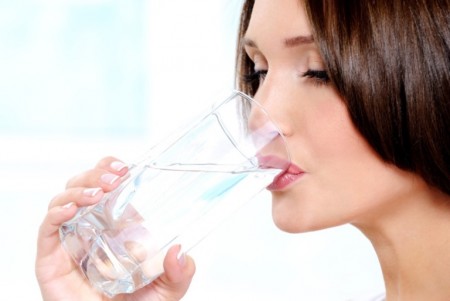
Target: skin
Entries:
(345, 181)
(58, 276)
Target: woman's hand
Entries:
(59, 277)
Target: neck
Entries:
(412, 242)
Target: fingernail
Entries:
(91, 192)
(68, 205)
(109, 178)
(118, 165)
(181, 257)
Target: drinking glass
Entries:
(177, 194)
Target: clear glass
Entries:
(177, 194)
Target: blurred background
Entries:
(82, 79)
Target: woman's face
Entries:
(342, 179)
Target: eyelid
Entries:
(256, 56)
(320, 76)
(251, 51)
(257, 75)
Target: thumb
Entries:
(179, 269)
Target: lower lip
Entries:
(284, 180)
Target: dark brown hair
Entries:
(390, 62)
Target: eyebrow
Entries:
(248, 42)
(289, 42)
(298, 40)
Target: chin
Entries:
(286, 227)
(294, 219)
(299, 225)
(285, 214)
(291, 223)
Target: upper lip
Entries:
(294, 169)
(285, 178)
(271, 161)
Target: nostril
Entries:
(263, 134)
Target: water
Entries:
(121, 242)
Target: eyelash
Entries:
(319, 76)
(255, 77)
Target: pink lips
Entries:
(290, 174)
(286, 178)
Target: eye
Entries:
(319, 76)
(255, 78)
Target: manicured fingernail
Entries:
(109, 178)
(68, 205)
(181, 257)
(91, 192)
(118, 165)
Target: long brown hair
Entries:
(390, 62)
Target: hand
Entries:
(59, 277)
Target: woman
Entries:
(360, 90)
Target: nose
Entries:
(272, 110)
(260, 124)
(266, 137)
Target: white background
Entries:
(80, 80)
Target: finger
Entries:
(179, 269)
(104, 179)
(105, 175)
(111, 164)
(80, 196)
(55, 217)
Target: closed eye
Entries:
(319, 76)
(255, 77)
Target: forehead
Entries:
(278, 18)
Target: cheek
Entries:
(327, 130)
(339, 158)
(345, 179)
(336, 159)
